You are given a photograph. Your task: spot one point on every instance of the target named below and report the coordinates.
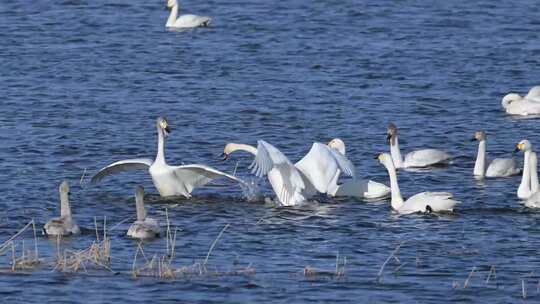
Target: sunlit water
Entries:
(83, 81)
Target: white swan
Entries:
(144, 227)
(516, 104)
(499, 167)
(416, 159)
(184, 21)
(421, 202)
(169, 180)
(524, 190)
(534, 200)
(294, 184)
(360, 188)
(63, 225)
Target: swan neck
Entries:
(480, 164)
(524, 187)
(243, 147)
(160, 157)
(397, 199)
(173, 16)
(534, 172)
(139, 203)
(395, 152)
(65, 209)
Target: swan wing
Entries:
(285, 178)
(425, 157)
(323, 165)
(193, 176)
(190, 20)
(534, 94)
(122, 166)
(438, 201)
(500, 167)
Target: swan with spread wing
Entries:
(169, 180)
(294, 184)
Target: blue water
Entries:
(83, 81)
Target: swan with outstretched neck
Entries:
(525, 190)
(516, 104)
(169, 180)
(359, 188)
(184, 21)
(294, 184)
(534, 200)
(421, 202)
(415, 159)
(63, 225)
(499, 167)
(144, 227)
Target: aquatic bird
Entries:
(516, 104)
(294, 184)
(499, 167)
(144, 227)
(416, 159)
(169, 180)
(184, 21)
(360, 188)
(63, 225)
(534, 200)
(524, 189)
(421, 202)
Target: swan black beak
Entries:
(473, 139)
(388, 137)
(224, 156)
(376, 157)
(516, 150)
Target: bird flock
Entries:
(318, 172)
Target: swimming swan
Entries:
(294, 184)
(534, 200)
(63, 225)
(184, 21)
(360, 188)
(169, 180)
(416, 159)
(144, 227)
(525, 190)
(499, 167)
(421, 202)
(516, 104)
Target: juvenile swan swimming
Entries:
(294, 184)
(516, 104)
(169, 180)
(421, 202)
(360, 188)
(63, 225)
(184, 21)
(499, 167)
(144, 227)
(416, 159)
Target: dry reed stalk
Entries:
(523, 289)
(492, 272)
(214, 244)
(466, 283)
(392, 254)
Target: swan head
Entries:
(479, 135)
(338, 145)
(171, 3)
(385, 159)
(163, 125)
(391, 133)
(229, 148)
(64, 188)
(509, 98)
(524, 146)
